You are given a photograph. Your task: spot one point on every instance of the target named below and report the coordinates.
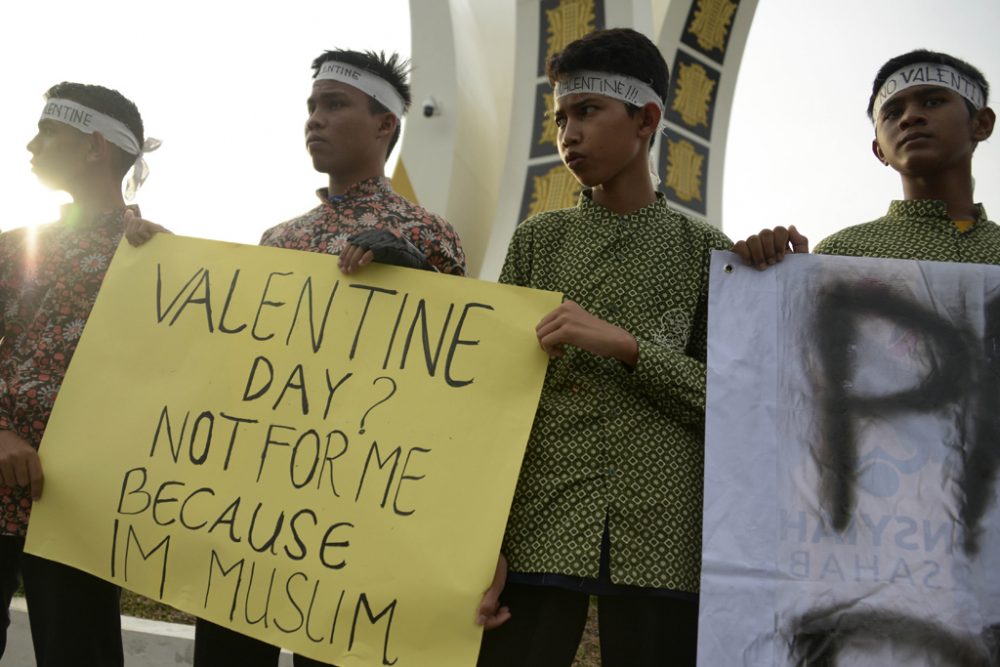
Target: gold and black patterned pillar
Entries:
(703, 41)
(548, 184)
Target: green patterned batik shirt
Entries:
(918, 229)
(610, 442)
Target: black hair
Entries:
(394, 69)
(925, 56)
(618, 51)
(110, 103)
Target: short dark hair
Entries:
(618, 51)
(109, 102)
(394, 69)
(925, 56)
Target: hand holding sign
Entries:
(19, 464)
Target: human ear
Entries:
(877, 150)
(99, 147)
(649, 121)
(982, 124)
(387, 125)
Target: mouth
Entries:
(573, 160)
(913, 136)
(313, 141)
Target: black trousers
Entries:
(10, 577)
(216, 646)
(75, 617)
(547, 622)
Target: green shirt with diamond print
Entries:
(608, 441)
(918, 229)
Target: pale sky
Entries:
(224, 86)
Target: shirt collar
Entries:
(370, 187)
(70, 216)
(586, 202)
(928, 209)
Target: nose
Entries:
(913, 114)
(314, 120)
(33, 145)
(569, 133)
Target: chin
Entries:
(322, 166)
(48, 182)
(589, 183)
(918, 167)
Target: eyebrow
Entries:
(327, 96)
(891, 105)
(588, 99)
(922, 94)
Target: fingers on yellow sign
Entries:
(322, 461)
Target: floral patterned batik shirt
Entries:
(49, 279)
(611, 444)
(370, 204)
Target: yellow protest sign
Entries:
(322, 461)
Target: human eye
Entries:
(335, 103)
(934, 101)
(889, 113)
(560, 120)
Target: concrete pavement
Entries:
(146, 643)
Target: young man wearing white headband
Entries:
(355, 108)
(608, 502)
(929, 111)
(88, 138)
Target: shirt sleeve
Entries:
(676, 380)
(672, 380)
(445, 253)
(826, 247)
(517, 265)
(8, 262)
(6, 287)
(267, 238)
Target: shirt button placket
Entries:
(611, 420)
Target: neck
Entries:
(339, 185)
(630, 190)
(341, 182)
(953, 188)
(99, 198)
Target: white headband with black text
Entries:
(619, 86)
(370, 84)
(929, 74)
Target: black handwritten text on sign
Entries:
(274, 317)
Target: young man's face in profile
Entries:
(341, 132)
(58, 154)
(924, 130)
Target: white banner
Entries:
(852, 449)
